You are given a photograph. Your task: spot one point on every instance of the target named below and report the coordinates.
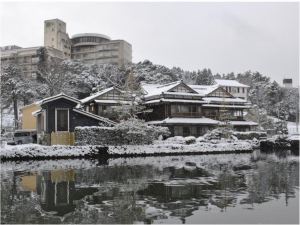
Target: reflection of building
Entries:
(56, 189)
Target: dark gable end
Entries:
(50, 106)
(182, 85)
(110, 95)
(220, 92)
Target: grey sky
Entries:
(225, 37)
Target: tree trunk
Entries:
(16, 113)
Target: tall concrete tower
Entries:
(55, 36)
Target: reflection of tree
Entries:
(271, 180)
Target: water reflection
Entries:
(150, 190)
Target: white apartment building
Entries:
(234, 87)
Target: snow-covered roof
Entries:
(243, 123)
(181, 93)
(97, 94)
(35, 113)
(55, 97)
(100, 118)
(157, 89)
(219, 99)
(173, 100)
(204, 90)
(226, 106)
(181, 120)
(230, 83)
(107, 101)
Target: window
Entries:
(238, 113)
(185, 109)
(193, 108)
(177, 131)
(243, 89)
(238, 90)
(186, 131)
(62, 119)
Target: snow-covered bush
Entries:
(127, 132)
(190, 140)
(250, 135)
(175, 140)
(135, 131)
(218, 133)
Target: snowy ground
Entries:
(42, 151)
(292, 128)
(173, 146)
(179, 148)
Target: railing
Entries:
(62, 138)
(187, 114)
(217, 117)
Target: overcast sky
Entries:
(226, 37)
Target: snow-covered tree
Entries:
(14, 89)
(204, 77)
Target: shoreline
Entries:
(108, 156)
(55, 152)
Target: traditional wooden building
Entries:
(191, 110)
(58, 117)
(106, 103)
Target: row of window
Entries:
(88, 39)
(190, 131)
(235, 90)
(96, 55)
(185, 109)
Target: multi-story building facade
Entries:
(191, 110)
(234, 87)
(187, 110)
(88, 48)
(26, 58)
(100, 49)
(55, 36)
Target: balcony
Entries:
(187, 114)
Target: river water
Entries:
(224, 188)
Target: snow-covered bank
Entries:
(175, 148)
(34, 151)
